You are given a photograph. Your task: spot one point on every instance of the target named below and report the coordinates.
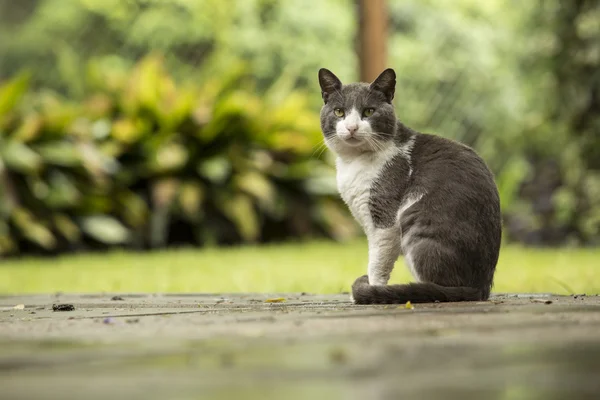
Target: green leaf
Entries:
(174, 107)
(62, 191)
(32, 230)
(216, 169)
(63, 153)
(134, 208)
(12, 92)
(18, 156)
(128, 130)
(239, 210)
(105, 229)
(169, 158)
(30, 128)
(321, 184)
(143, 89)
(66, 227)
(58, 114)
(7, 244)
(335, 220)
(191, 196)
(258, 186)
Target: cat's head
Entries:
(357, 117)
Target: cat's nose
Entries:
(352, 129)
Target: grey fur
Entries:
(360, 96)
(453, 230)
(388, 191)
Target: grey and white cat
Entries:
(432, 199)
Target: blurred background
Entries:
(145, 124)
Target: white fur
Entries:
(406, 151)
(356, 172)
(354, 180)
(352, 122)
(405, 241)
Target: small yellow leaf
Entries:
(409, 306)
(276, 300)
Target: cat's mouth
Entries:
(353, 141)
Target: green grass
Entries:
(311, 267)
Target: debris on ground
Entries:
(63, 307)
(19, 307)
(227, 360)
(338, 356)
(108, 321)
(275, 300)
(117, 298)
(409, 306)
(541, 301)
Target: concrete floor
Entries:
(240, 346)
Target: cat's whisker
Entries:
(318, 147)
(374, 143)
(323, 149)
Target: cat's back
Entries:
(439, 162)
(460, 195)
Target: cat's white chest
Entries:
(355, 178)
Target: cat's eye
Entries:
(368, 112)
(338, 112)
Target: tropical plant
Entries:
(145, 162)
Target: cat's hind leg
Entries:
(384, 249)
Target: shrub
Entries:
(144, 162)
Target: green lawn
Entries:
(312, 267)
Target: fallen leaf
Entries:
(275, 300)
(409, 306)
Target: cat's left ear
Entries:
(386, 84)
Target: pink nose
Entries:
(352, 129)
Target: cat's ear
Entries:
(386, 84)
(329, 83)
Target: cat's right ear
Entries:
(329, 83)
(386, 84)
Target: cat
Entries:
(429, 198)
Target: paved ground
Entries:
(308, 347)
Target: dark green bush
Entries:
(143, 162)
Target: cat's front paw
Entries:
(361, 280)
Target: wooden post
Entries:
(372, 38)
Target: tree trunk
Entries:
(372, 38)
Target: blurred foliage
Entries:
(518, 81)
(57, 37)
(521, 84)
(143, 162)
(559, 66)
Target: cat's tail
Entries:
(422, 292)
